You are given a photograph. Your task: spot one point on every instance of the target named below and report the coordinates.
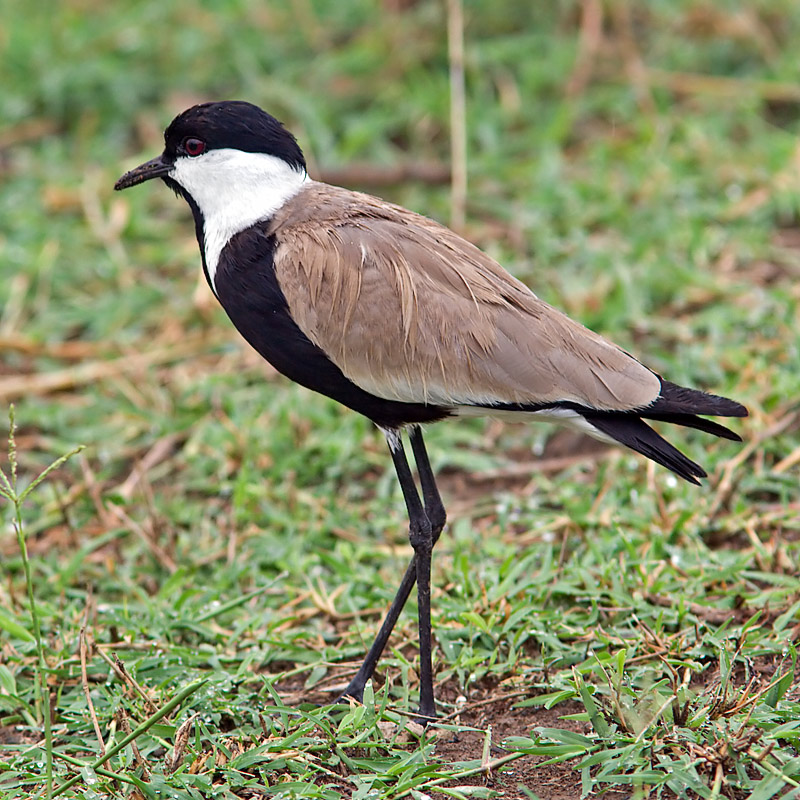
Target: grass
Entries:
(212, 566)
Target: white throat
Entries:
(234, 190)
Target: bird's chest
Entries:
(248, 289)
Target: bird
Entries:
(400, 319)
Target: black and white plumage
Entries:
(398, 318)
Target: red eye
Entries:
(194, 147)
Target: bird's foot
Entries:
(349, 694)
(425, 715)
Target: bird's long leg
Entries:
(435, 511)
(421, 539)
(434, 507)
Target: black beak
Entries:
(157, 168)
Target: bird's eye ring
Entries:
(194, 147)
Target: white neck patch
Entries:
(234, 190)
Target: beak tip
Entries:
(156, 168)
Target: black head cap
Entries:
(235, 124)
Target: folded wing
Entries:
(411, 312)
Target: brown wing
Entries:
(412, 312)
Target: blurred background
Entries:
(637, 164)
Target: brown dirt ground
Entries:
(551, 782)
(492, 706)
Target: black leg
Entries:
(435, 512)
(434, 507)
(419, 535)
(355, 688)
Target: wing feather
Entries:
(412, 312)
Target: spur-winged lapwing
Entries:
(398, 318)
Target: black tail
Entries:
(675, 404)
(676, 399)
